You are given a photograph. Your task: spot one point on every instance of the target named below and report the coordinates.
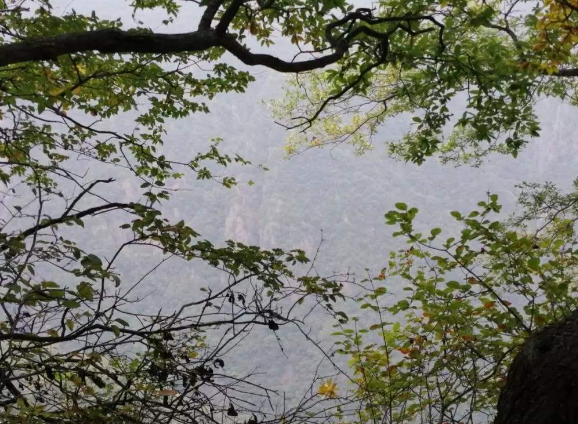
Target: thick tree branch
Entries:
(229, 15)
(115, 40)
(209, 14)
(119, 41)
(573, 72)
(105, 41)
(253, 59)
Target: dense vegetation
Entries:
(76, 343)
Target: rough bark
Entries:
(542, 385)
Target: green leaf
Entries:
(534, 263)
(91, 261)
(57, 293)
(122, 322)
(403, 304)
(85, 290)
(115, 329)
(453, 285)
(71, 304)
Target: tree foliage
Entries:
(442, 353)
(469, 73)
(75, 344)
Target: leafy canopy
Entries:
(71, 347)
(76, 345)
(469, 299)
(468, 72)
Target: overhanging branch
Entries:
(66, 218)
(115, 40)
(104, 41)
(119, 41)
(570, 72)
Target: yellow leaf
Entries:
(56, 91)
(167, 392)
(113, 101)
(81, 69)
(328, 389)
(551, 69)
(540, 25)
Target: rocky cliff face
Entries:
(542, 384)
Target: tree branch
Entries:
(119, 41)
(209, 14)
(66, 217)
(105, 41)
(572, 72)
(229, 15)
(83, 192)
(253, 59)
(89, 329)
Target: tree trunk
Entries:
(542, 386)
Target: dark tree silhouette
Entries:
(542, 385)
